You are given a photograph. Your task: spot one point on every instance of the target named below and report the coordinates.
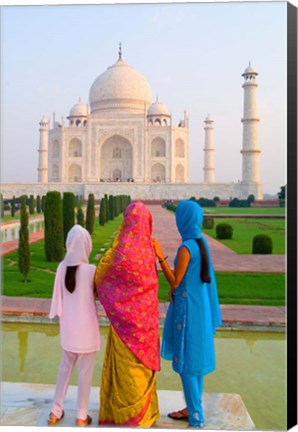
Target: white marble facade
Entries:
(120, 136)
(125, 142)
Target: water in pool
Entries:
(252, 364)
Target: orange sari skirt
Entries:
(128, 395)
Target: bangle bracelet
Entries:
(161, 261)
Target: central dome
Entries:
(120, 87)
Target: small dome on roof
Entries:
(250, 70)
(79, 110)
(158, 108)
(209, 119)
(43, 120)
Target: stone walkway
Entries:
(31, 407)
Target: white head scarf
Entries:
(78, 246)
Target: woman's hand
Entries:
(158, 250)
(171, 293)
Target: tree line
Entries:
(60, 214)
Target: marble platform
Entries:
(29, 405)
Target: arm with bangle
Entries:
(174, 277)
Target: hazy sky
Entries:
(192, 54)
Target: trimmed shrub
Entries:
(208, 222)
(205, 202)
(250, 198)
(111, 207)
(13, 206)
(53, 227)
(23, 247)
(80, 217)
(262, 244)
(68, 212)
(107, 208)
(90, 215)
(38, 204)
(102, 212)
(43, 203)
(224, 231)
(2, 206)
(31, 204)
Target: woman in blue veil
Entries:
(194, 312)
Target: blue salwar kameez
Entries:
(192, 318)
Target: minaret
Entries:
(43, 151)
(250, 141)
(209, 167)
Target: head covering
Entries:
(78, 249)
(127, 286)
(78, 246)
(189, 219)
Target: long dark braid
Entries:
(205, 277)
(70, 278)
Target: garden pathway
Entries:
(224, 259)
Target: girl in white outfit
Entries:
(74, 303)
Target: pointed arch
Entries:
(158, 147)
(75, 173)
(158, 173)
(116, 159)
(179, 173)
(179, 148)
(75, 148)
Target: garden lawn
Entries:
(233, 288)
(42, 272)
(264, 289)
(244, 231)
(280, 211)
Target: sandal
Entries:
(85, 422)
(52, 420)
(179, 415)
(200, 426)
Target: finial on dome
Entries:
(80, 99)
(120, 51)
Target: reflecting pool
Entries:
(252, 364)
(11, 231)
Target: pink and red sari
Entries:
(127, 286)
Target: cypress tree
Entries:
(53, 227)
(68, 212)
(102, 212)
(80, 217)
(38, 204)
(90, 215)
(111, 207)
(43, 203)
(13, 206)
(23, 248)
(107, 208)
(2, 206)
(31, 204)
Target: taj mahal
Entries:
(123, 142)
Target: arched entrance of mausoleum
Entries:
(116, 162)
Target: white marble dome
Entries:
(79, 110)
(120, 87)
(158, 109)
